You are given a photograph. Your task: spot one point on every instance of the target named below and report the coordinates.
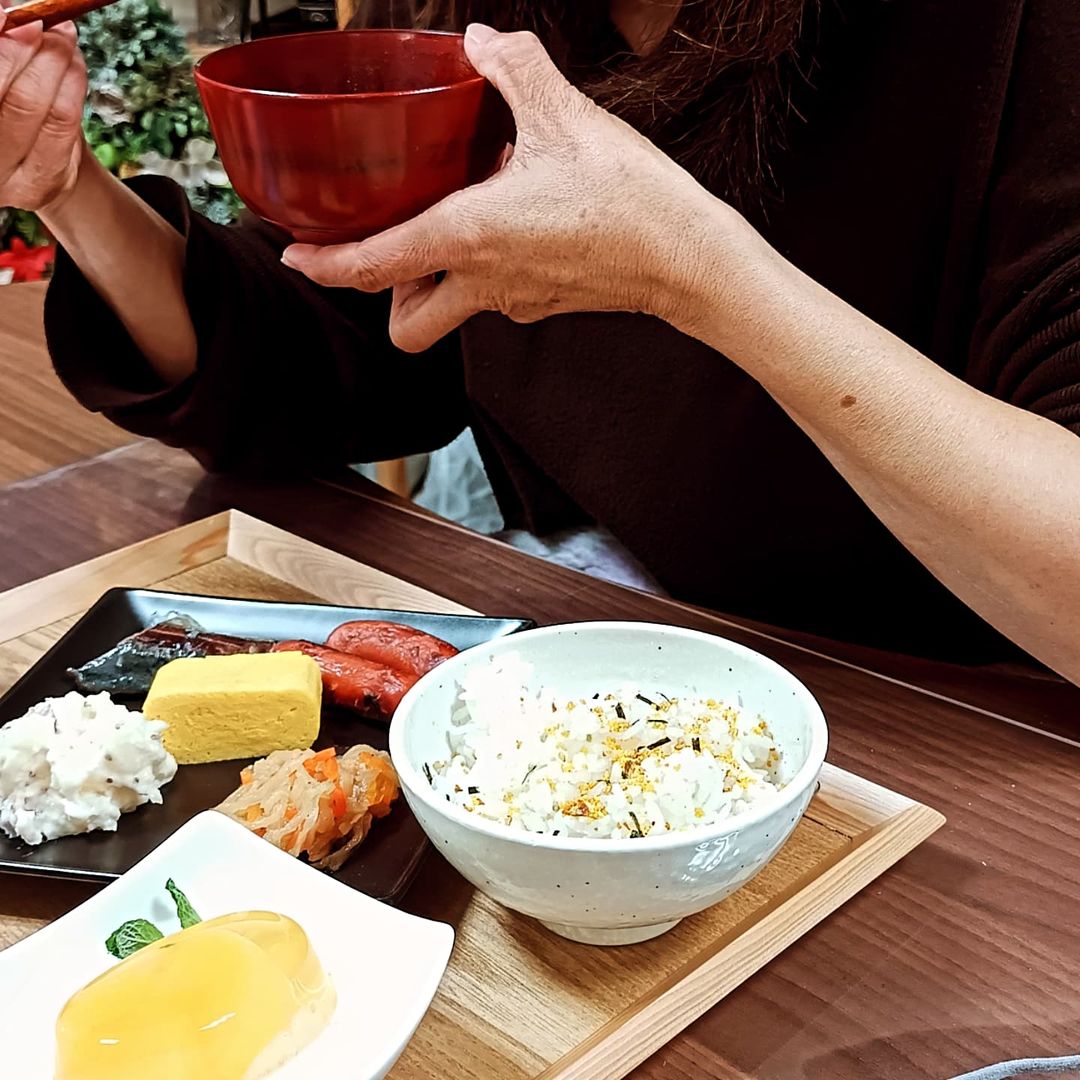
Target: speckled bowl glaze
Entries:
(615, 892)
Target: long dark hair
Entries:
(714, 93)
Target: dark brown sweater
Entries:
(934, 183)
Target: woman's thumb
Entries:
(521, 70)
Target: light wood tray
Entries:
(517, 1003)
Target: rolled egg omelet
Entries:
(220, 708)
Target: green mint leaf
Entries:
(187, 915)
(131, 937)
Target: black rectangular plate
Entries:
(383, 866)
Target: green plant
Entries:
(143, 112)
(23, 224)
(143, 108)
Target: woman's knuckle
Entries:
(56, 127)
(67, 116)
(361, 272)
(514, 54)
(524, 41)
(20, 105)
(404, 336)
(14, 56)
(528, 313)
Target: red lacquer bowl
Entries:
(337, 136)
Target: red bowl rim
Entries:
(338, 96)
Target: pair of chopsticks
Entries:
(50, 12)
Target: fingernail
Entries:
(478, 34)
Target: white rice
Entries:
(74, 764)
(622, 763)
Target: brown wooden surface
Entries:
(964, 953)
(579, 1013)
(41, 427)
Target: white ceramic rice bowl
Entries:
(615, 891)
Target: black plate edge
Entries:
(524, 624)
(102, 600)
(90, 877)
(516, 625)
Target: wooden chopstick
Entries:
(50, 12)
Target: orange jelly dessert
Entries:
(228, 999)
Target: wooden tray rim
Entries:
(894, 825)
(882, 824)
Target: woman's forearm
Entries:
(985, 494)
(135, 261)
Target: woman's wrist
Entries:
(134, 259)
(64, 212)
(712, 274)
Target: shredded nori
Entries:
(427, 773)
(619, 711)
(642, 697)
(696, 744)
(532, 768)
(473, 790)
(596, 696)
(636, 833)
(555, 832)
(659, 742)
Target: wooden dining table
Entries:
(964, 953)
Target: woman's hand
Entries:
(586, 215)
(130, 255)
(42, 87)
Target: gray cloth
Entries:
(1025, 1066)
(593, 551)
(456, 487)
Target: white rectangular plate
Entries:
(385, 964)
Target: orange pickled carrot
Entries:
(383, 789)
(290, 812)
(323, 765)
(253, 813)
(338, 802)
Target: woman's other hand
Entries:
(42, 88)
(587, 215)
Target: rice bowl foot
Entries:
(616, 935)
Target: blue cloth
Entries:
(1025, 1066)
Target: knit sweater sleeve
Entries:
(291, 378)
(1026, 344)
